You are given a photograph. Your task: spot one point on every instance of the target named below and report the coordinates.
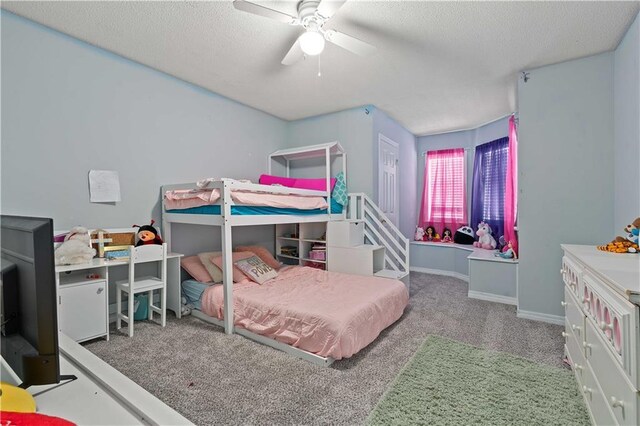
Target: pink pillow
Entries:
(196, 269)
(263, 254)
(301, 183)
(238, 275)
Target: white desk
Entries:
(83, 295)
(100, 396)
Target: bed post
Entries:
(327, 164)
(227, 259)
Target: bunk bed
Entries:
(226, 207)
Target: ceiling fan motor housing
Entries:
(308, 16)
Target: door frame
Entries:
(382, 139)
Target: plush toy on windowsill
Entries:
(508, 252)
(627, 244)
(419, 235)
(485, 239)
(147, 234)
(430, 233)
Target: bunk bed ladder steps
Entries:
(378, 230)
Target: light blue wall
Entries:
(566, 165)
(627, 128)
(353, 129)
(68, 107)
(407, 168)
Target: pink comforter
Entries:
(184, 199)
(327, 313)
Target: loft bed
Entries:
(226, 208)
(226, 212)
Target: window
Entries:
(489, 184)
(444, 198)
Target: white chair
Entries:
(147, 284)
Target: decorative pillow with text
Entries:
(256, 269)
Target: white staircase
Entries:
(367, 243)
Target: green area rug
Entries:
(451, 383)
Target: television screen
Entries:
(29, 337)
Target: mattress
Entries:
(327, 313)
(192, 290)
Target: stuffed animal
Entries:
(627, 244)
(508, 252)
(485, 239)
(446, 236)
(430, 233)
(464, 235)
(147, 234)
(419, 235)
(76, 248)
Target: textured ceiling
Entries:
(439, 65)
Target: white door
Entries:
(388, 152)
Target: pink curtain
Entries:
(511, 197)
(444, 201)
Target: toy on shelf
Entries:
(628, 244)
(76, 248)
(430, 233)
(446, 236)
(147, 234)
(464, 235)
(508, 252)
(436, 238)
(485, 239)
(419, 235)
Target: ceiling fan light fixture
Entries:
(311, 43)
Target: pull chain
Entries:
(319, 69)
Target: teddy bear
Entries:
(485, 239)
(76, 248)
(147, 234)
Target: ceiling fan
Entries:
(312, 15)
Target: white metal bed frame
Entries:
(226, 221)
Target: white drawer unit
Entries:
(602, 331)
(345, 233)
(83, 309)
(360, 260)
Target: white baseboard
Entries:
(539, 316)
(440, 272)
(493, 297)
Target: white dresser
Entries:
(602, 333)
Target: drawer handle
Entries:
(565, 335)
(100, 290)
(575, 328)
(587, 345)
(616, 402)
(585, 389)
(578, 367)
(604, 326)
(563, 304)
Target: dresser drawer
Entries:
(575, 353)
(615, 320)
(598, 407)
(618, 391)
(573, 314)
(571, 275)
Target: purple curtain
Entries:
(489, 184)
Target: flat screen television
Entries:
(29, 335)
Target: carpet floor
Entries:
(213, 378)
(450, 383)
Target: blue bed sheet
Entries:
(258, 210)
(192, 290)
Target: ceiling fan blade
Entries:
(293, 55)
(327, 8)
(349, 43)
(256, 9)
